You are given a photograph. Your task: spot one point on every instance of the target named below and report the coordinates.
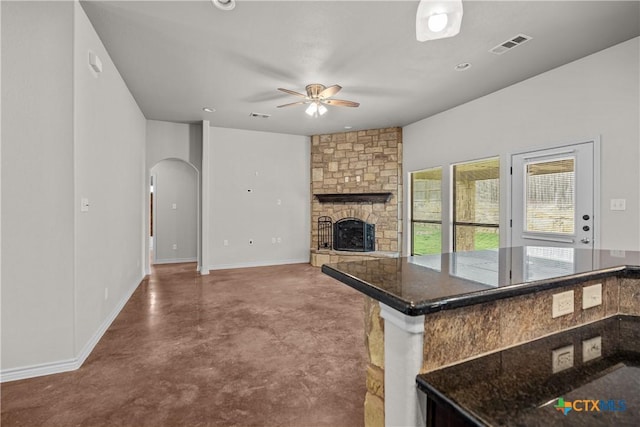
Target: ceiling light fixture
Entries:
(208, 110)
(438, 19)
(462, 66)
(224, 4)
(315, 109)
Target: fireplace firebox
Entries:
(352, 234)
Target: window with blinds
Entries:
(550, 196)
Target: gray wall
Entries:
(275, 167)
(67, 134)
(175, 182)
(37, 183)
(597, 96)
(166, 140)
(109, 171)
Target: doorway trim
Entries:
(597, 207)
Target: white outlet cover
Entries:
(591, 348)
(592, 296)
(562, 358)
(562, 304)
(618, 204)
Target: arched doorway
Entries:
(174, 212)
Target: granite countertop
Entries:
(517, 386)
(424, 284)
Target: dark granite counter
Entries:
(517, 386)
(425, 284)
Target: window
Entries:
(476, 210)
(426, 212)
(550, 196)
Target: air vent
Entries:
(261, 115)
(510, 44)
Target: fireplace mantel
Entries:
(354, 197)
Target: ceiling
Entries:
(177, 57)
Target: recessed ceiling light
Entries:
(208, 110)
(348, 127)
(224, 4)
(462, 66)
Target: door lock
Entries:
(585, 217)
(586, 228)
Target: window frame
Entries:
(454, 223)
(412, 220)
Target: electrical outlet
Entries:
(591, 348)
(273, 240)
(279, 239)
(592, 296)
(618, 204)
(175, 247)
(562, 304)
(225, 242)
(562, 358)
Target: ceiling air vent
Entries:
(510, 44)
(261, 115)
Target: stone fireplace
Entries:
(357, 175)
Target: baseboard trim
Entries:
(259, 264)
(175, 260)
(93, 341)
(24, 372)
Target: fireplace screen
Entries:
(352, 234)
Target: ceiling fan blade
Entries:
(330, 91)
(291, 92)
(341, 103)
(294, 103)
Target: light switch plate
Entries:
(592, 296)
(562, 304)
(562, 358)
(591, 348)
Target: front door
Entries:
(553, 197)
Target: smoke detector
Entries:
(224, 4)
(510, 44)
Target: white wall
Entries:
(37, 183)
(67, 134)
(596, 96)
(275, 167)
(175, 182)
(109, 171)
(166, 140)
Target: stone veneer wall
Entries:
(368, 161)
(452, 336)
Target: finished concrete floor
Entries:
(266, 346)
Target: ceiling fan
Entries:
(317, 97)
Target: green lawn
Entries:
(426, 240)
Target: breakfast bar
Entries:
(442, 310)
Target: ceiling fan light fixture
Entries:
(438, 19)
(321, 109)
(312, 109)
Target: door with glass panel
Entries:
(553, 197)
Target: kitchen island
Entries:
(444, 309)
